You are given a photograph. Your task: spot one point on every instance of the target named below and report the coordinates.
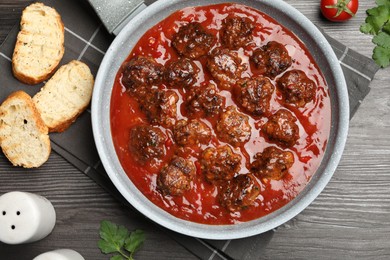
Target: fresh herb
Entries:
(378, 23)
(119, 241)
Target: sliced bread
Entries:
(39, 45)
(65, 96)
(24, 136)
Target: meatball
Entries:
(281, 128)
(160, 107)
(220, 164)
(193, 132)
(175, 178)
(181, 73)
(254, 95)
(146, 143)
(236, 32)
(192, 41)
(233, 127)
(296, 87)
(271, 59)
(239, 193)
(141, 71)
(272, 163)
(204, 101)
(225, 66)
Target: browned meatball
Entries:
(193, 132)
(146, 143)
(296, 87)
(205, 101)
(141, 71)
(226, 67)
(239, 193)
(175, 178)
(254, 95)
(236, 32)
(192, 41)
(272, 163)
(181, 73)
(281, 128)
(271, 59)
(220, 163)
(233, 127)
(160, 107)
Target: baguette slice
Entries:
(65, 96)
(39, 46)
(24, 136)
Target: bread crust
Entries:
(26, 57)
(13, 133)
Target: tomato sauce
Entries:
(200, 204)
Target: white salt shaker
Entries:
(60, 254)
(25, 217)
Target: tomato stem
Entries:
(341, 6)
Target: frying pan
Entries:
(322, 54)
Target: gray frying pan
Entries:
(321, 52)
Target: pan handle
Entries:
(116, 14)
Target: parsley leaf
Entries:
(107, 247)
(117, 239)
(381, 56)
(382, 39)
(378, 23)
(376, 18)
(383, 2)
(112, 238)
(116, 257)
(386, 27)
(134, 241)
(367, 28)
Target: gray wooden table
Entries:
(351, 217)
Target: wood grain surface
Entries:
(350, 219)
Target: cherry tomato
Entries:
(339, 10)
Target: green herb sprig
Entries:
(117, 239)
(378, 23)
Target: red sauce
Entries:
(199, 204)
